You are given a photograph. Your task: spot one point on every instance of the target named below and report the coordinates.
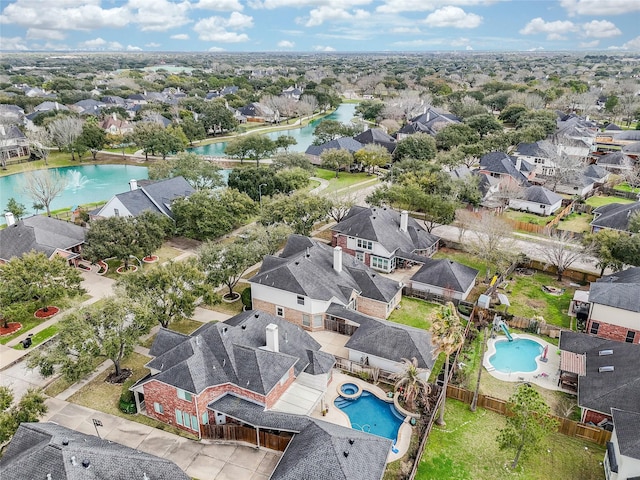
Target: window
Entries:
(306, 320)
(194, 423)
(116, 212)
(280, 311)
(183, 395)
(317, 320)
(157, 408)
(300, 300)
(178, 416)
(360, 256)
(380, 263)
(205, 418)
(185, 419)
(594, 328)
(631, 335)
(364, 244)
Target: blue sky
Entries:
(320, 25)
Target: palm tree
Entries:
(481, 323)
(413, 380)
(447, 335)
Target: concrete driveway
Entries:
(202, 460)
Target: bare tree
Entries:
(632, 176)
(307, 105)
(561, 252)
(65, 131)
(42, 186)
(406, 106)
(465, 219)
(493, 242)
(341, 203)
(40, 143)
(629, 100)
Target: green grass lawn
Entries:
(527, 217)
(465, 449)
(41, 336)
(599, 201)
(184, 325)
(344, 180)
(414, 312)
(576, 222)
(625, 187)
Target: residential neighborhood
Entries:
(279, 267)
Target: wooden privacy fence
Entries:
(565, 426)
(527, 227)
(240, 433)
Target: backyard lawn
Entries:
(464, 258)
(625, 187)
(465, 449)
(414, 312)
(527, 217)
(576, 222)
(345, 179)
(598, 201)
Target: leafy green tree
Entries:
(28, 409)
(611, 103)
(174, 290)
(419, 146)
(456, 134)
(252, 147)
(512, 113)
(603, 245)
(447, 335)
(168, 140)
(18, 209)
(92, 138)
(483, 124)
(284, 142)
(542, 118)
(328, 130)
(336, 159)
(200, 173)
(34, 276)
(370, 109)
(301, 211)
(372, 156)
(109, 330)
(208, 214)
(193, 130)
(293, 160)
(528, 423)
(216, 117)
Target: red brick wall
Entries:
(595, 417)
(278, 390)
(375, 308)
(341, 241)
(613, 332)
(167, 396)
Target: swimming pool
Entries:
(516, 356)
(372, 415)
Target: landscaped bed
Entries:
(465, 449)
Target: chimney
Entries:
(133, 183)
(10, 219)
(272, 338)
(337, 259)
(114, 116)
(404, 221)
(2, 130)
(518, 163)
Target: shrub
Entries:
(245, 296)
(127, 402)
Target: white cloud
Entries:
(453, 17)
(133, 48)
(152, 45)
(38, 33)
(219, 5)
(592, 44)
(554, 30)
(600, 7)
(95, 43)
(220, 29)
(318, 16)
(405, 30)
(342, 4)
(458, 42)
(323, 48)
(216, 49)
(286, 44)
(535, 49)
(13, 43)
(179, 36)
(114, 46)
(633, 44)
(600, 29)
(398, 6)
(159, 15)
(468, 48)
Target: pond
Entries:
(304, 136)
(85, 184)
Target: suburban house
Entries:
(343, 143)
(616, 162)
(383, 238)
(540, 154)
(13, 144)
(597, 173)
(614, 216)
(431, 121)
(509, 170)
(308, 276)
(88, 106)
(293, 92)
(607, 373)
(445, 277)
(114, 126)
(614, 310)
(50, 451)
(622, 459)
(377, 136)
(155, 197)
(258, 112)
(536, 199)
(11, 114)
(632, 150)
(42, 234)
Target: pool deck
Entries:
(545, 376)
(337, 416)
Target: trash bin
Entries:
(26, 343)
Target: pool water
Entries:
(372, 415)
(349, 389)
(516, 356)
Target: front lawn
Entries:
(414, 312)
(344, 180)
(465, 449)
(598, 201)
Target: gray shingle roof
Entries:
(382, 225)
(385, 339)
(615, 215)
(595, 172)
(632, 148)
(343, 143)
(616, 159)
(231, 352)
(633, 135)
(619, 290)
(627, 427)
(377, 136)
(447, 274)
(541, 195)
(38, 449)
(39, 233)
(502, 164)
(305, 267)
(541, 149)
(602, 391)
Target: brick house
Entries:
(254, 356)
(614, 306)
(382, 238)
(309, 276)
(607, 373)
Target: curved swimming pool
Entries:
(372, 415)
(518, 355)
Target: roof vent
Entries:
(297, 263)
(244, 327)
(224, 331)
(73, 461)
(49, 476)
(256, 315)
(351, 441)
(86, 463)
(65, 441)
(346, 454)
(602, 353)
(606, 368)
